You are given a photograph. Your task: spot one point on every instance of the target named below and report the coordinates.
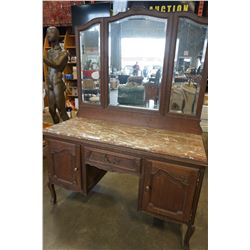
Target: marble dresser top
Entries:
(158, 141)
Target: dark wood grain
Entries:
(168, 190)
(53, 198)
(64, 164)
(189, 233)
(112, 161)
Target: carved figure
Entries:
(56, 60)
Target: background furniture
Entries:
(69, 45)
(151, 91)
(164, 149)
(123, 78)
(131, 95)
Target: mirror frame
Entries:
(204, 75)
(161, 118)
(79, 80)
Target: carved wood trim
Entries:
(112, 161)
(178, 179)
(184, 181)
(181, 181)
(72, 164)
(154, 208)
(71, 150)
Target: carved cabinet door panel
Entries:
(64, 164)
(168, 190)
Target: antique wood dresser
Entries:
(157, 139)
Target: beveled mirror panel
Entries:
(191, 45)
(90, 64)
(136, 55)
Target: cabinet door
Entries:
(64, 164)
(168, 190)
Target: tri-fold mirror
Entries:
(122, 62)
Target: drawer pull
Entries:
(75, 169)
(147, 188)
(111, 161)
(107, 159)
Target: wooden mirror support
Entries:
(161, 118)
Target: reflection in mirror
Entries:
(190, 53)
(90, 64)
(136, 53)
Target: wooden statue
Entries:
(56, 60)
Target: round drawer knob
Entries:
(75, 169)
(147, 188)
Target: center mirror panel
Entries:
(136, 54)
(90, 64)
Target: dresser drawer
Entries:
(112, 161)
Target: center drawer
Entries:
(112, 161)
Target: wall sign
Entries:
(170, 7)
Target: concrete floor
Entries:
(108, 219)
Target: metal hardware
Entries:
(107, 159)
(198, 180)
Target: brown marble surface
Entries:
(159, 141)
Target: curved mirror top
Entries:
(90, 64)
(190, 51)
(136, 55)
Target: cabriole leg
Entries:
(189, 233)
(52, 193)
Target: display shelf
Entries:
(69, 45)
